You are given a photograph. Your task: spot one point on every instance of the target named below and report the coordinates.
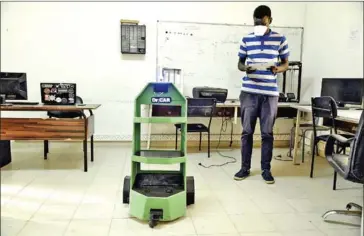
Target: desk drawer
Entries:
(42, 129)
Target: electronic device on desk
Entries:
(290, 97)
(220, 94)
(13, 86)
(58, 93)
(345, 91)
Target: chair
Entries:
(324, 107)
(350, 167)
(199, 107)
(305, 127)
(62, 114)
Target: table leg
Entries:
(46, 149)
(296, 139)
(92, 148)
(85, 155)
(236, 115)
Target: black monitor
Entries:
(13, 86)
(344, 90)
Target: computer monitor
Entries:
(344, 90)
(13, 86)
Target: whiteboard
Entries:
(208, 53)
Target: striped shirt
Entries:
(263, 49)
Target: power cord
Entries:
(279, 157)
(223, 128)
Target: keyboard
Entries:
(23, 103)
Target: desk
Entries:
(50, 128)
(231, 108)
(236, 106)
(348, 116)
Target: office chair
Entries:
(325, 107)
(63, 114)
(199, 107)
(350, 167)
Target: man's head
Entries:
(262, 16)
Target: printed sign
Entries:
(161, 100)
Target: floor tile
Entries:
(261, 234)
(94, 227)
(249, 223)
(290, 222)
(94, 211)
(273, 205)
(213, 225)
(45, 228)
(11, 226)
(304, 233)
(129, 227)
(243, 206)
(346, 232)
(182, 226)
(121, 211)
(55, 212)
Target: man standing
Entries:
(259, 92)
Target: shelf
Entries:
(159, 185)
(159, 157)
(160, 119)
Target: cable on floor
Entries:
(223, 128)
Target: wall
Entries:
(333, 44)
(80, 42)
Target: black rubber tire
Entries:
(126, 190)
(152, 223)
(190, 193)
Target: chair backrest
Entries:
(79, 100)
(201, 107)
(67, 114)
(323, 107)
(356, 157)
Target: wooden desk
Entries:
(50, 128)
(347, 116)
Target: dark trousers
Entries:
(255, 106)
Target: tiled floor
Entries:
(55, 197)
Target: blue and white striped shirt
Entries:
(263, 49)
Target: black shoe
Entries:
(267, 176)
(242, 174)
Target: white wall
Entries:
(80, 42)
(333, 44)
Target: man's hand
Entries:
(249, 69)
(243, 67)
(278, 69)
